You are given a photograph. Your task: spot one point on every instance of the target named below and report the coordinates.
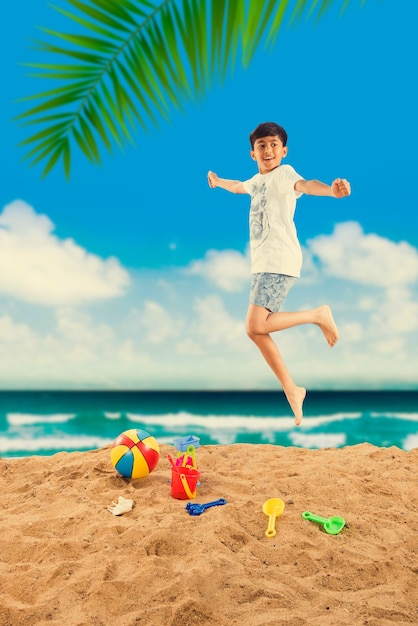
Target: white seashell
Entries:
(123, 506)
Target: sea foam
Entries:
(26, 419)
(40, 444)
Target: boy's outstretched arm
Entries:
(234, 186)
(339, 188)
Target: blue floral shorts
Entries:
(269, 290)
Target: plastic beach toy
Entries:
(121, 506)
(135, 453)
(181, 443)
(273, 508)
(188, 458)
(184, 481)
(197, 509)
(332, 525)
(186, 447)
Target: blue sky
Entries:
(135, 274)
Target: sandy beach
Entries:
(67, 560)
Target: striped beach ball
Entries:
(135, 453)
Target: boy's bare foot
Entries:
(327, 325)
(295, 399)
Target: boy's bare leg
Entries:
(260, 322)
(295, 395)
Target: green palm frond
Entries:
(136, 60)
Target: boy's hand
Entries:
(340, 188)
(212, 179)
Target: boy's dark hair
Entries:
(268, 129)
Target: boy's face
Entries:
(268, 152)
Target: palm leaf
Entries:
(133, 61)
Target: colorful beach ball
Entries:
(135, 453)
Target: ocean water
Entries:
(46, 422)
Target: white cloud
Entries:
(189, 348)
(159, 323)
(76, 352)
(214, 324)
(80, 331)
(227, 269)
(172, 331)
(12, 333)
(352, 332)
(367, 259)
(38, 267)
(395, 315)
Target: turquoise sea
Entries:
(46, 422)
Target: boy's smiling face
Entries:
(268, 152)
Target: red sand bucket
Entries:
(183, 482)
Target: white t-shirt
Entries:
(274, 243)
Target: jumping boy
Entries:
(276, 256)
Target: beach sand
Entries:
(65, 559)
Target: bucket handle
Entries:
(186, 487)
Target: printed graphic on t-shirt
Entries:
(259, 222)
